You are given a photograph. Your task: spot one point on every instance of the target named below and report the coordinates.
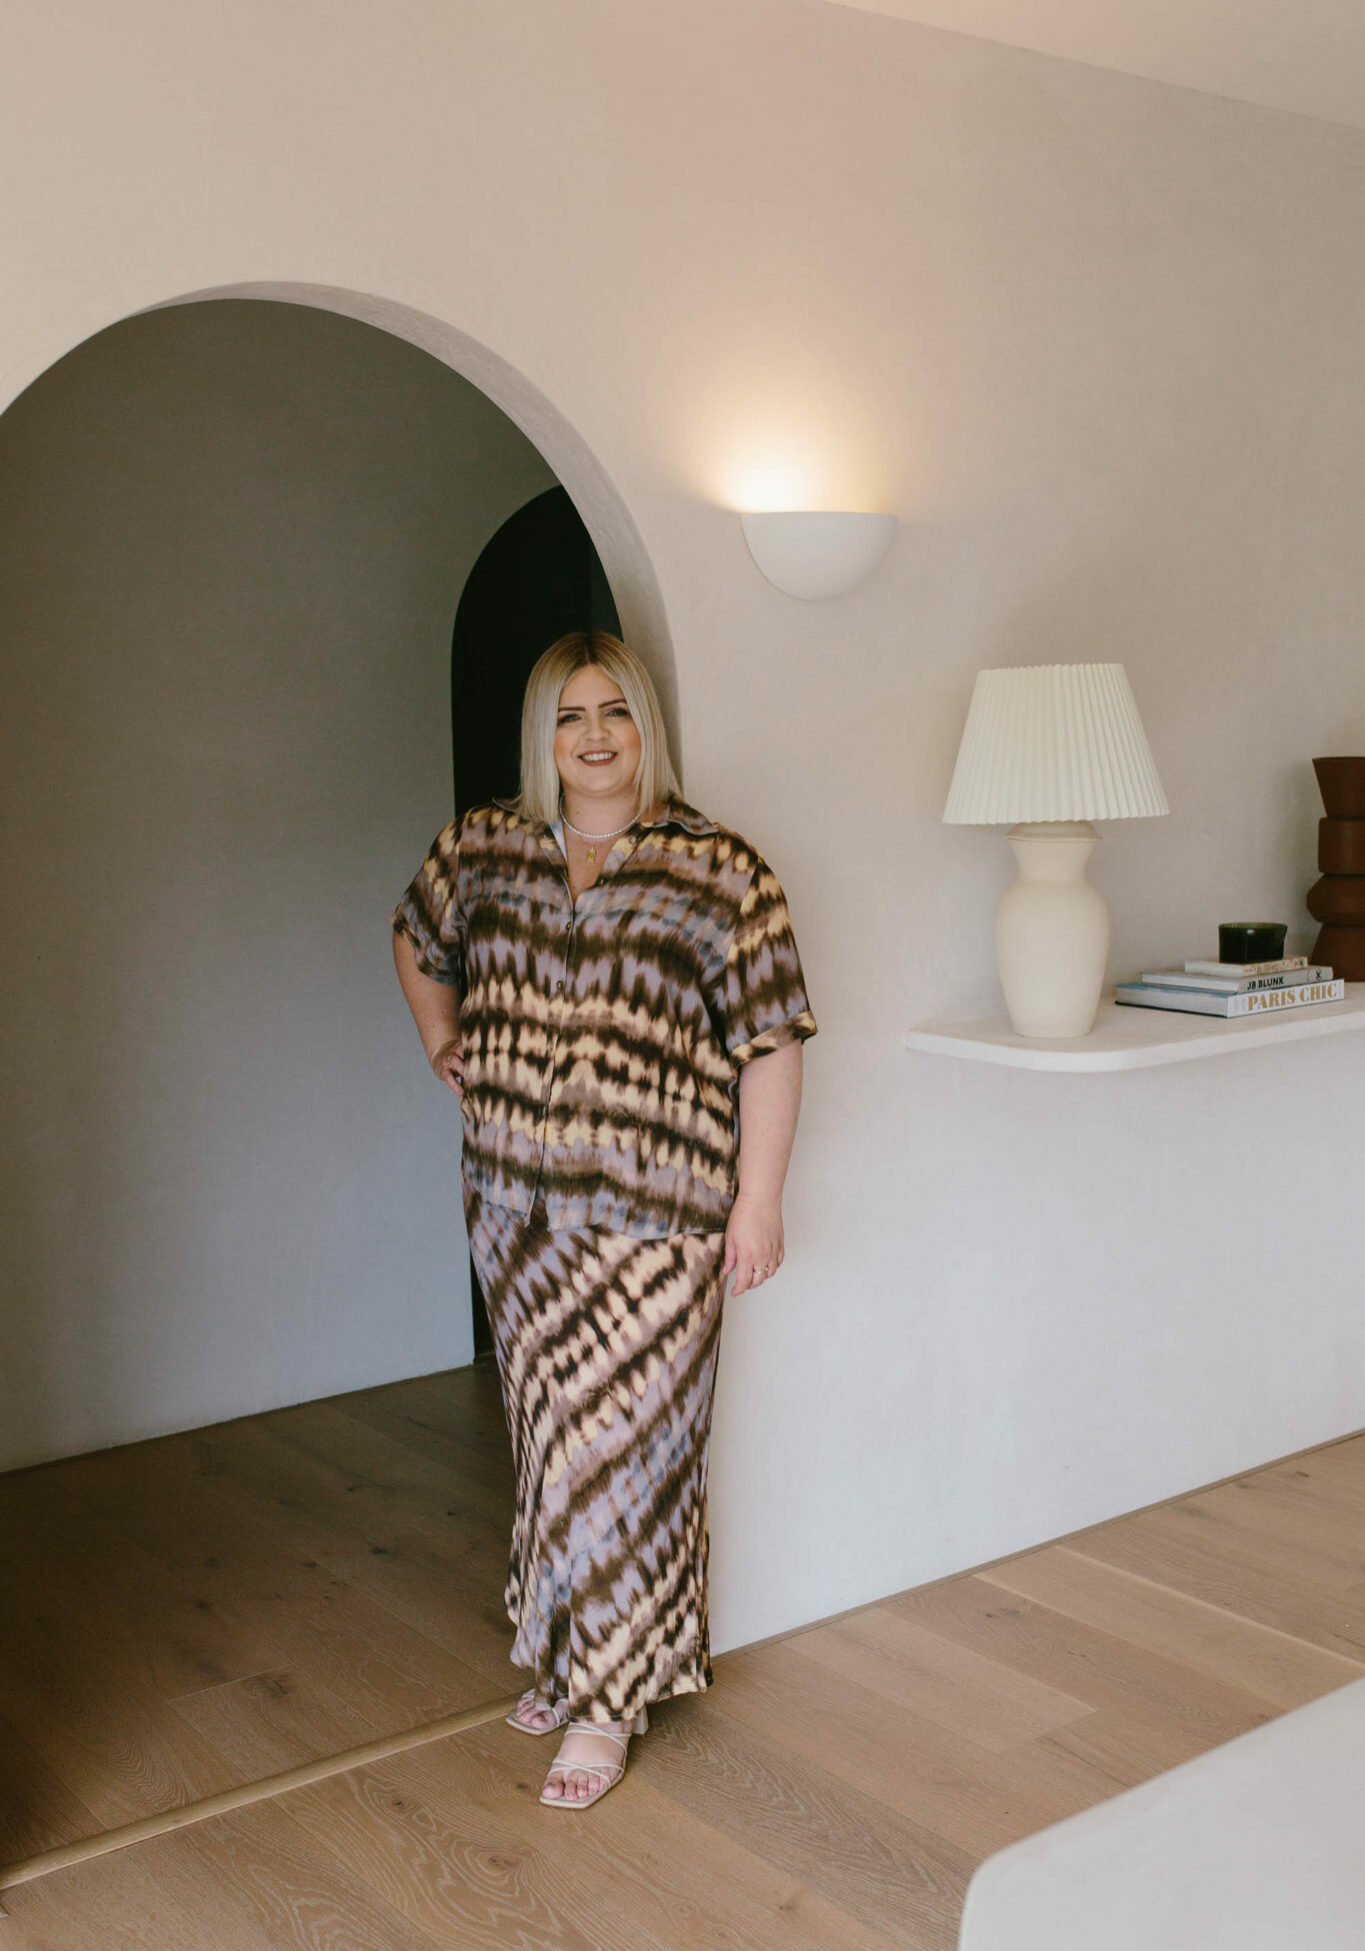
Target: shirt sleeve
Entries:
(766, 1004)
(430, 914)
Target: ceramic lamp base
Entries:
(1052, 931)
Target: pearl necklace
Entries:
(592, 850)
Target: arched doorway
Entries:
(225, 747)
(151, 1157)
(599, 502)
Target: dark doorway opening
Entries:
(538, 578)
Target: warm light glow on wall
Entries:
(757, 444)
(755, 469)
(787, 386)
(758, 483)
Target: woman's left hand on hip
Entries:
(753, 1242)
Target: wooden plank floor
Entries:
(335, 1570)
(835, 1788)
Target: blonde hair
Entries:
(540, 783)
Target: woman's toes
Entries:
(535, 1716)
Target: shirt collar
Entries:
(677, 812)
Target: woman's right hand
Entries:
(448, 1064)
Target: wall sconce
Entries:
(817, 554)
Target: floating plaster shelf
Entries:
(1125, 1038)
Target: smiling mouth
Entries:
(597, 758)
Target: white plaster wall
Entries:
(1097, 341)
(232, 542)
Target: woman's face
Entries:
(597, 747)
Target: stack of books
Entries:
(1234, 988)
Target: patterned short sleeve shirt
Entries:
(604, 1038)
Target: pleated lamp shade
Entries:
(1053, 742)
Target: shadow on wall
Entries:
(232, 539)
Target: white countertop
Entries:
(1128, 1038)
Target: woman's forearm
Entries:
(435, 1006)
(769, 1100)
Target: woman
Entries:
(609, 982)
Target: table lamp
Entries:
(1049, 748)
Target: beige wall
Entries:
(232, 540)
(1098, 342)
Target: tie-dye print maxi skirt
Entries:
(607, 1348)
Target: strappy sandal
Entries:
(613, 1771)
(559, 1708)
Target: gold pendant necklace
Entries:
(593, 838)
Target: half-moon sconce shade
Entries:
(817, 553)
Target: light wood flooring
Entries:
(190, 1615)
